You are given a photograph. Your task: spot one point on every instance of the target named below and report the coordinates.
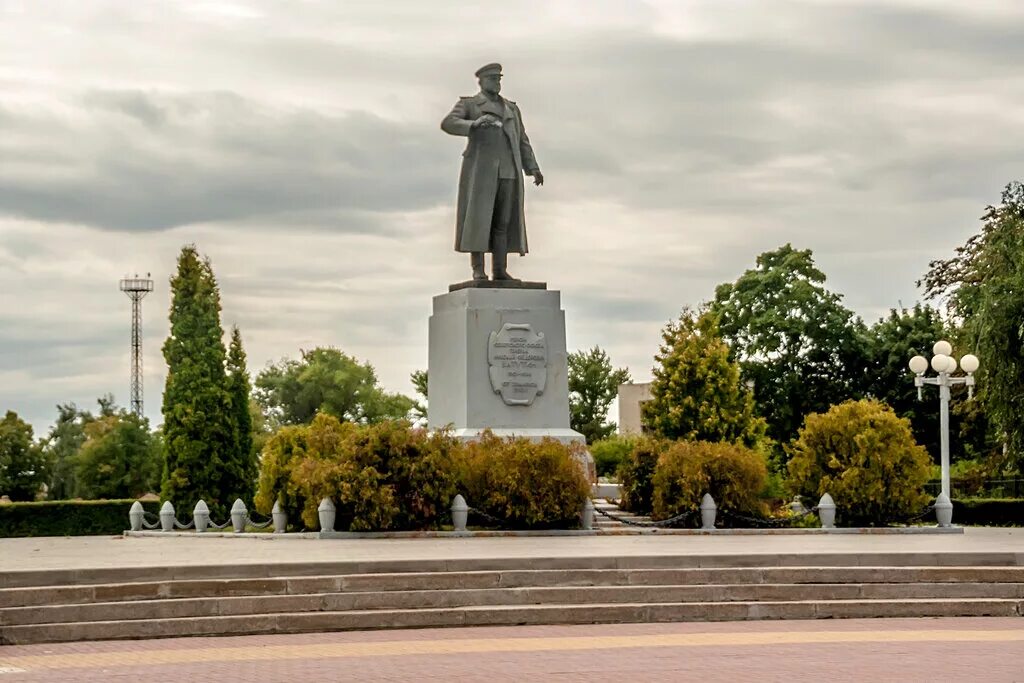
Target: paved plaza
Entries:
(904, 650)
(115, 551)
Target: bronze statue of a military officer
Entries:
(491, 188)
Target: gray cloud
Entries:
(299, 148)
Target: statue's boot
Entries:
(476, 259)
(499, 263)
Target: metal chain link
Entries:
(660, 523)
(259, 525)
(225, 525)
(769, 522)
(179, 525)
(147, 525)
(489, 518)
(918, 517)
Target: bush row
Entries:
(68, 517)
(989, 511)
(391, 476)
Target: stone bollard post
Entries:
(326, 511)
(167, 516)
(460, 513)
(201, 515)
(239, 513)
(135, 516)
(587, 515)
(280, 518)
(827, 512)
(708, 511)
(797, 506)
(944, 510)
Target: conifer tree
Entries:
(198, 422)
(240, 472)
(696, 393)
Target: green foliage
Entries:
(593, 384)
(803, 350)
(989, 511)
(610, 452)
(239, 473)
(865, 457)
(984, 288)
(326, 381)
(636, 472)
(384, 476)
(22, 463)
(199, 426)
(732, 474)
(61, 447)
(696, 393)
(891, 343)
(68, 518)
(528, 485)
(120, 458)
(420, 382)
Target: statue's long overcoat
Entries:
(478, 181)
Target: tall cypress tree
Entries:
(240, 472)
(198, 422)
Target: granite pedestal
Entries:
(498, 361)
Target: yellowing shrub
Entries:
(383, 476)
(865, 457)
(734, 476)
(526, 484)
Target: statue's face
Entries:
(491, 83)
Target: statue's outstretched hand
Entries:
(538, 177)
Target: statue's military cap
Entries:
(488, 70)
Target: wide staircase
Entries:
(150, 602)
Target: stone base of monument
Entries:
(498, 361)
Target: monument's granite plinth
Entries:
(498, 361)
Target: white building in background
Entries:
(631, 396)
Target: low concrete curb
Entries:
(639, 531)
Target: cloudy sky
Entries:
(297, 145)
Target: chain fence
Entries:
(259, 525)
(662, 523)
(148, 525)
(769, 522)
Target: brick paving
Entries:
(902, 650)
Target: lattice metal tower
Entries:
(136, 288)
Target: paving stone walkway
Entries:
(118, 551)
(904, 650)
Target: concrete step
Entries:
(297, 622)
(432, 599)
(110, 575)
(411, 581)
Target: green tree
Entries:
(802, 349)
(696, 394)
(326, 381)
(420, 382)
(199, 427)
(983, 285)
(22, 464)
(120, 458)
(61, 447)
(891, 343)
(240, 469)
(593, 384)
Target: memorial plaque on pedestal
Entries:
(518, 359)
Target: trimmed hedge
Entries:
(989, 512)
(68, 517)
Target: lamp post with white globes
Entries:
(945, 364)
